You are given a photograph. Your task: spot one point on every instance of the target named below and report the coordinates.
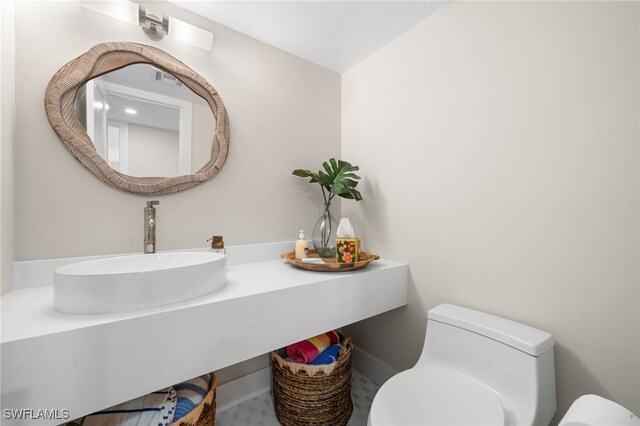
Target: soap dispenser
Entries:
(217, 244)
(302, 246)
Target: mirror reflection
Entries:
(144, 122)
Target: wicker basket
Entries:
(313, 394)
(205, 413)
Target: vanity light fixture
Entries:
(190, 34)
(154, 26)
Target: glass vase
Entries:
(324, 234)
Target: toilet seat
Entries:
(434, 396)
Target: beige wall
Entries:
(284, 114)
(163, 143)
(7, 126)
(498, 143)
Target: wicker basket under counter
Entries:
(313, 394)
(204, 414)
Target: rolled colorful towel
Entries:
(154, 409)
(328, 356)
(190, 394)
(307, 350)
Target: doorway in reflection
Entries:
(144, 122)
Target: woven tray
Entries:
(204, 414)
(330, 265)
(313, 394)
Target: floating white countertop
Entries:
(29, 313)
(86, 362)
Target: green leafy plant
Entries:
(337, 178)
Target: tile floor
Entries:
(259, 410)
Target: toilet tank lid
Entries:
(522, 337)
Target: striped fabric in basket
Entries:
(190, 394)
(156, 408)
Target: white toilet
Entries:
(594, 410)
(475, 369)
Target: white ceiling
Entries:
(333, 34)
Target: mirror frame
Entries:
(105, 57)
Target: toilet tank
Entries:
(514, 360)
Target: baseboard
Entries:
(243, 389)
(376, 370)
(247, 387)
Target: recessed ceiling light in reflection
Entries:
(130, 111)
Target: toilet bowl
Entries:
(433, 396)
(475, 369)
(593, 410)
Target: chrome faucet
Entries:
(150, 227)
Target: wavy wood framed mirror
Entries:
(139, 119)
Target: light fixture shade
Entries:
(123, 10)
(191, 34)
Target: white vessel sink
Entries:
(138, 281)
